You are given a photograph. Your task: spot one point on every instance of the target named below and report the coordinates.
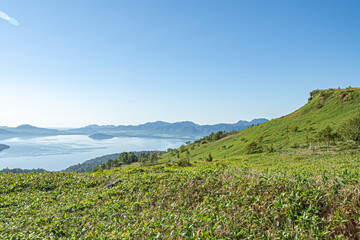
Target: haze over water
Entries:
(55, 153)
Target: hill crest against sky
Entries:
(330, 107)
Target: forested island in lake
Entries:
(3, 147)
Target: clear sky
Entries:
(73, 63)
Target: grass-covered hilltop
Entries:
(295, 177)
(297, 130)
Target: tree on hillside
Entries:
(217, 136)
(123, 158)
(209, 158)
(259, 139)
(286, 128)
(327, 135)
(154, 158)
(187, 157)
(351, 128)
(132, 158)
(253, 147)
(182, 148)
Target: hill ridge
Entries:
(328, 107)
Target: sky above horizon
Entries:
(74, 63)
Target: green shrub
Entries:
(253, 147)
(209, 158)
(294, 128)
(270, 149)
(182, 148)
(295, 145)
(183, 162)
(351, 128)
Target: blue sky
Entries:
(74, 63)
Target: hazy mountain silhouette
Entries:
(150, 129)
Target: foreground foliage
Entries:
(297, 196)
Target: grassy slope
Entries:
(267, 198)
(283, 195)
(328, 107)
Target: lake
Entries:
(55, 153)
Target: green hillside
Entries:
(288, 133)
(290, 192)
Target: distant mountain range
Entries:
(27, 129)
(184, 129)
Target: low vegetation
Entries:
(291, 196)
(296, 177)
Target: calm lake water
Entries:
(59, 152)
